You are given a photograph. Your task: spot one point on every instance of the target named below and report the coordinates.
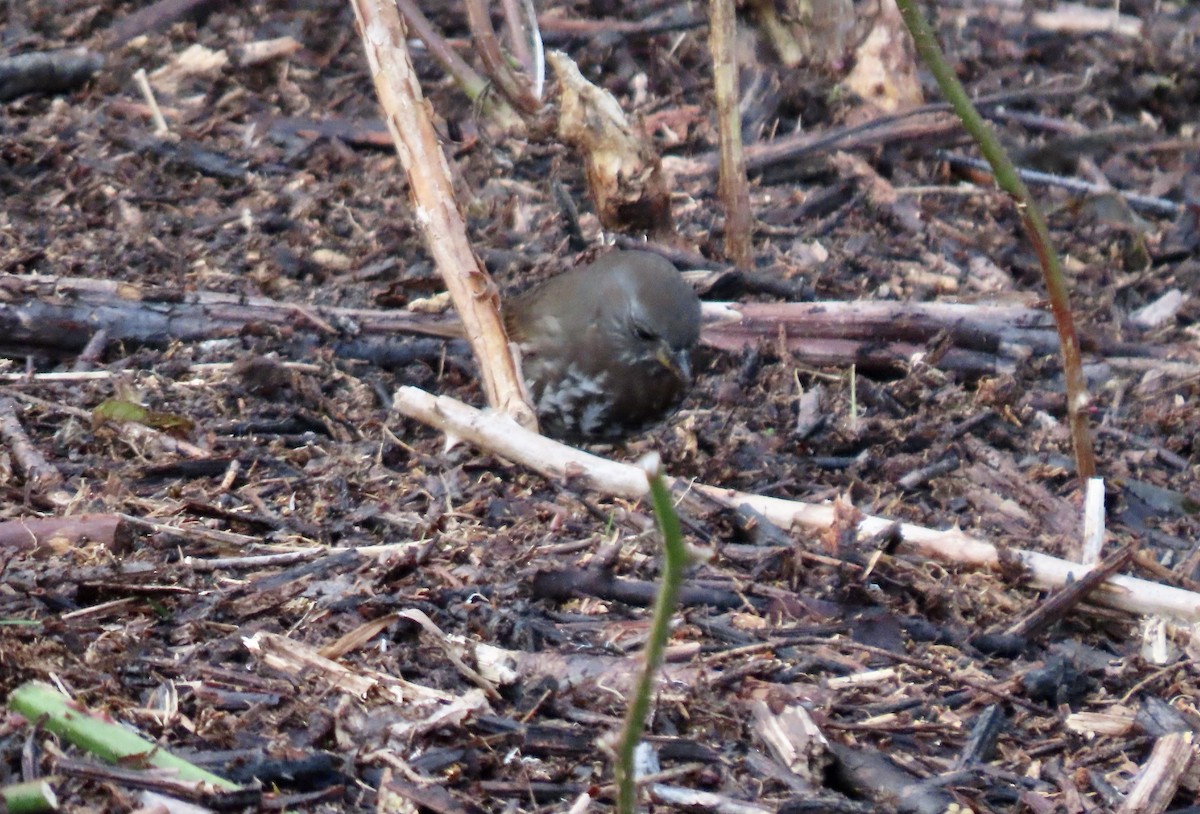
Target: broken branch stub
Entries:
(630, 188)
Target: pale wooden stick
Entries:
(1160, 778)
(1093, 522)
(501, 436)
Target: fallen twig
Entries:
(46, 312)
(1149, 203)
(58, 533)
(502, 437)
(39, 472)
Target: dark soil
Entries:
(890, 653)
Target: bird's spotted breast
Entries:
(574, 404)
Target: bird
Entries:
(605, 348)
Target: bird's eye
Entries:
(643, 333)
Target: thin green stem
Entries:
(106, 739)
(1035, 225)
(674, 562)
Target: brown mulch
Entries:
(301, 525)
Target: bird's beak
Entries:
(677, 363)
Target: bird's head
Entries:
(653, 312)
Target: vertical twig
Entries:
(733, 186)
(488, 45)
(160, 121)
(516, 28)
(467, 78)
(527, 46)
(1035, 225)
(432, 192)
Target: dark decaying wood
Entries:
(46, 72)
(61, 315)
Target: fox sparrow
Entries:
(605, 347)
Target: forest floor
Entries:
(296, 565)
